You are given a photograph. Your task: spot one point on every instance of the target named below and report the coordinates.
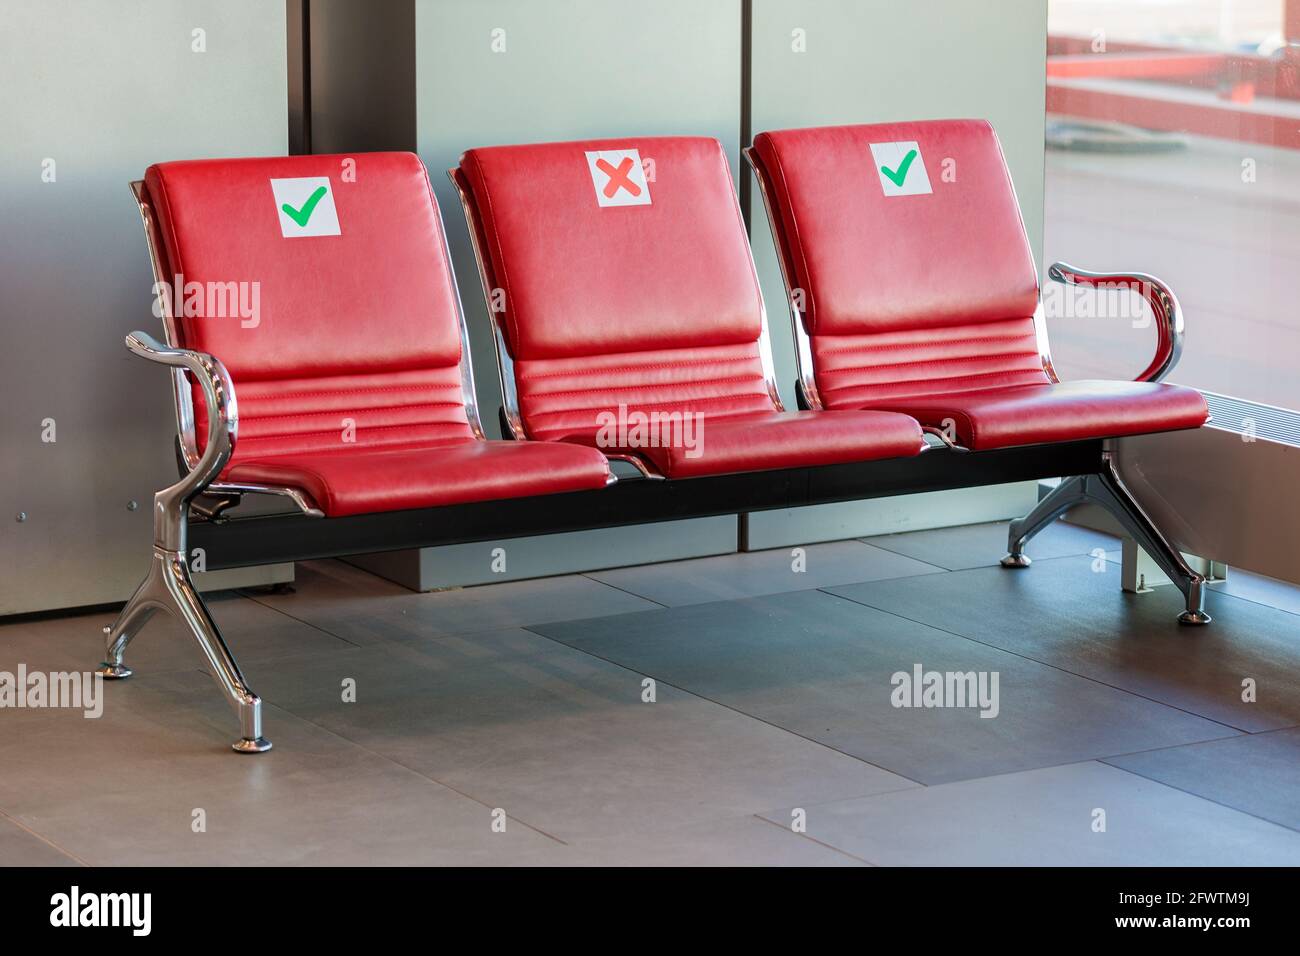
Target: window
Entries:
(1174, 149)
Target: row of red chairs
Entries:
(620, 283)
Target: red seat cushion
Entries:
(1066, 411)
(646, 307)
(358, 330)
(583, 279)
(871, 262)
(377, 298)
(769, 440)
(365, 480)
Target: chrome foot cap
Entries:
(1194, 617)
(1016, 561)
(246, 745)
(114, 671)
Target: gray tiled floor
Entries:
(731, 576)
(1257, 773)
(1049, 816)
(1262, 590)
(523, 702)
(562, 738)
(822, 667)
(76, 642)
(361, 608)
(1070, 613)
(21, 847)
(983, 545)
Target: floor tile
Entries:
(76, 642)
(1047, 817)
(560, 738)
(983, 545)
(123, 789)
(735, 841)
(822, 667)
(363, 608)
(19, 847)
(1067, 613)
(749, 574)
(1260, 589)
(1258, 773)
(777, 697)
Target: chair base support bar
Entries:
(1106, 490)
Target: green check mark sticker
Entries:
(304, 207)
(895, 175)
(300, 216)
(900, 168)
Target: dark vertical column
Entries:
(298, 32)
(361, 75)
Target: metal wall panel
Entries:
(102, 88)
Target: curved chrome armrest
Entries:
(223, 412)
(1161, 299)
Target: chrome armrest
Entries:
(223, 414)
(1164, 307)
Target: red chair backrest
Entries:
(646, 297)
(906, 288)
(361, 325)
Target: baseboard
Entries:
(861, 519)
(516, 559)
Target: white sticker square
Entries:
(900, 169)
(618, 177)
(306, 207)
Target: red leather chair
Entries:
(644, 301)
(913, 289)
(330, 304)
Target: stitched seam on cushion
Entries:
(269, 416)
(283, 436)
(868, 347)
(947, 360)
(634, 368)
(640, 405)
(327, 392)
(371, 448)
(624, 388)
(256, 416)
(907, 381)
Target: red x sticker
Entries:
(618, 177)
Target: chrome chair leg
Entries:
(168, 587)
(1107, 490)
(142, 606)
(190, 607)
(1063, 497)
